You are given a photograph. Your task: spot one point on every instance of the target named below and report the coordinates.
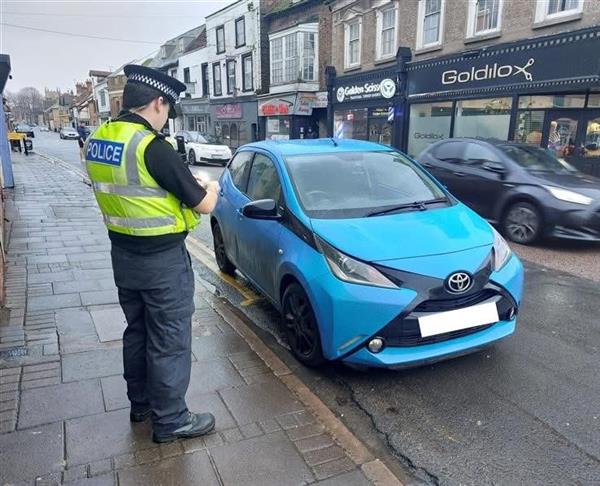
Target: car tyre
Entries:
(301, 327)
(223, 261)
(522, 223)
(192, 158)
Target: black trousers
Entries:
(156, 293)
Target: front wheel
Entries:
(301, 327)
(522, 223)
(192, 158)
(223, 261)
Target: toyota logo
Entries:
(459, 282)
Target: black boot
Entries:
(197, 424)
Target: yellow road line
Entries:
(206, 256)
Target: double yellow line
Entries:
(207, 257)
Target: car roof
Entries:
(316, 146)
(492, 141)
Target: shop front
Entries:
(295, 115)
(234, 124)
(364, 106)
(196, 115)
(543, 91)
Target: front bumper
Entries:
(357, 314)
(575, 222)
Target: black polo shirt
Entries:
(172, 174)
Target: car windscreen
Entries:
(356, 184)
(206, 138)
(537, 159)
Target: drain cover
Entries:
(14, 353)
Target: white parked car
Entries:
(203, 148)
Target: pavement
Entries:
(63, 405)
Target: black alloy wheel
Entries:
(301, 327)
(192, 158)
(223, 261)
(522, 223)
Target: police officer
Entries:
(150, 201)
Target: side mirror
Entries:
(494, 167)
(262, 209)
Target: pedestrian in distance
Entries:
(81, 140)
(150, 201)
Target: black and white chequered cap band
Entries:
(156, 84)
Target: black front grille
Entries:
(404, 330)
(452, 303)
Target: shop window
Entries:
(529, 126)
(550, 101)
(429, 123)
(594, 100)
(380, 130)
(351, 124)
(234, 135)
(591, 144)
(430, 23)
(352, 43)
(484, 17)
(278, 128)
(561, 136)
(488, 118)
(386, 32)
(263, 182)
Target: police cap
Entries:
(168, 86)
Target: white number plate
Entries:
(477, 315)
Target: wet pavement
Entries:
(64, 413)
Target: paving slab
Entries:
(100, 297)
(270, 460)
(60, 402)
(104, 480)
(86, 285)
(53, 302)
(355, 478)
(105, 435)
(218, 345)
(110, 323)
(208, 376)
(186, 469)
(29, 453)
(92, 364)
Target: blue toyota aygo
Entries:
(368, 258)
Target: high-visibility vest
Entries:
(129, 197)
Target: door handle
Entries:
(459, 174)
(221, 193)
(425, 164)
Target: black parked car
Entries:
(526, 190)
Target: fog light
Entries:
(376, 344)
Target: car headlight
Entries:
(569, 196)
(502, 251)
(350, 270)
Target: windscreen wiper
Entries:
(417, 205)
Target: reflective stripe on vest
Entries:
(139, 191)
(140, 222)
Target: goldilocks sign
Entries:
(538, 62)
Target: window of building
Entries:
(386, 32)
(247, 74)
(240, 32)
(351, 124)
(550, 101)
(278, 128)
(557, 9)
(352, 43)
(429, 123)
(230, 76)
(217, 88)
(294, 56)
(181, 45)
(263, 182)
(220, 39)
(484, 17)
(487, 118)
(163, 52)
(102, 98)
(594, 100)
(205, 80)
(186, 75)
(529, 126)
(173, 73)
(430, 23)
